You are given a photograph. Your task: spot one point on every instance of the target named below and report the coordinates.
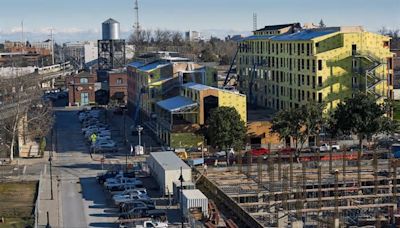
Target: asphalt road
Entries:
(83, 202)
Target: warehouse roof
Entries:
(306, 34)
(193, 194)
(177, 103)
(169, 160)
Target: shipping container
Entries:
(194, 199)
(177, 188)
(165, 167)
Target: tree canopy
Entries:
(360, 115)
(299, 123)
(225, 128)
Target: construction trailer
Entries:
(194, 199)
(166, 167)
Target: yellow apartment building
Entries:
(284, 66)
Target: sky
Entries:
(74, 20)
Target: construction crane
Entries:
(228, 78)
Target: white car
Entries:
(130, 190)
(117, 183)
(118, 199)
(223, 153)
(325, 148)
(102, 146)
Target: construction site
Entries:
(280, 191)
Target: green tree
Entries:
(362, 116)
(226, 129)
(299, 124)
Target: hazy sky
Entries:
(80, 18)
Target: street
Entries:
(83, 201)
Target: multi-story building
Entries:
(118, 85)
(81, 89)
(179, 118)
(282, 67)
(157, 76)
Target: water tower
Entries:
(111, 54)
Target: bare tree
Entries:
(22, 106)
(394, 33)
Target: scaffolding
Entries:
(318, 193)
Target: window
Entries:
(308, 80)
(303, 95)
(302, 79)
(319, 64)
(298, 80)
(319, 97)
(313, 82)
(319, 81)
(119, 81)
(385, 44)
(84, 81)
(313, 66)
(390, 63)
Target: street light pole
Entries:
(181, 196)
(51, 178)
(139, 129)
(123, 113)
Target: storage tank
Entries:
(110, 29)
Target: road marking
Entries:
(44, 169)
(24, 170)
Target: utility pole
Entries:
(52, 46)
(51, 178)
(181, 198)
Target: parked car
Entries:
(118, 199)
(131, 190)
(124, 207)
(223, 153)
(104, 145)
(102, 177)
(116, 183)
(356, 147)
(137, 212)
(325, 147)
(287, 150)
(259, 152)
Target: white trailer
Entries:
(194, 198)
(165, 167)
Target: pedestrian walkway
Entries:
(48, 205)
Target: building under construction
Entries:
(279, 192)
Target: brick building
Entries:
(81, 89)
(118, 86)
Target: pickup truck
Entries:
(325, 147)
(153, 224)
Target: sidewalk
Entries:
(48, 205)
